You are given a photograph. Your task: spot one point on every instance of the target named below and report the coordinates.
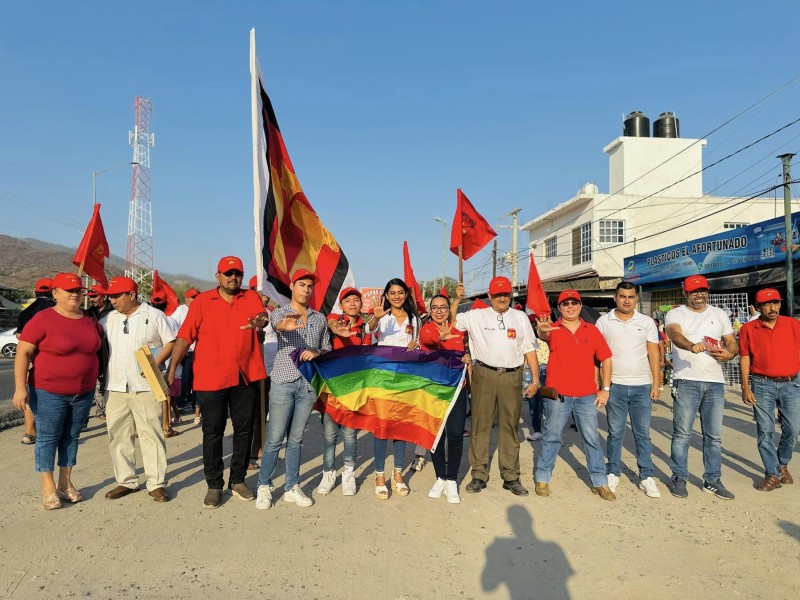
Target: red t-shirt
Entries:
(773, 352)
(429, 338)
(359, 337)
(223, 350)
(66, 360)
(570, 368)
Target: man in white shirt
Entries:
(501, 340)
(702, 338)
(635, 373)
(131, 407)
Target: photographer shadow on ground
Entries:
(527, 566)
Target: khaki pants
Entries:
(495, 393)
(128, 413)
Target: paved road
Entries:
(9, 416)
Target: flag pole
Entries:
(460, 264)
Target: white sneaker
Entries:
(437, 489)
(264, 497)
(451, 490)
(348, 482)
(648, 486)
(613, 482)
(328, 481)
(297, 496)
(534, 437)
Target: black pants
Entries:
(446, 466)
(188, 397)
(240, 401)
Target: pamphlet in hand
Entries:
(712, 343)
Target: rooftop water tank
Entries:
(589, 189)
(636, 124)
(666, 126)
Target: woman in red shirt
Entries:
(61, 343)
(439, 334)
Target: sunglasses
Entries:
(125, 327)
(570, 303)
(500, 324)
(233, 273)
(439, 308)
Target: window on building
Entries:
(734, 225)
(612, 231)
(550, 247)
(582, 244)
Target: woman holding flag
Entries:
(395, 322)
(439, 334)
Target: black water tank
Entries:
(666, 126)
(636, 124)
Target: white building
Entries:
(655, 199)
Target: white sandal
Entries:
(381, 491)
(399, 486)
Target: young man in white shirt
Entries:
(635, 373)
(698, 384)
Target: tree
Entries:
(431, 287)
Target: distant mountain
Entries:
(23, 261)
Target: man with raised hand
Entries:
(227, 368)
(770, 362)
(702, 339)
(635, 377)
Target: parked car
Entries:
(8, 343)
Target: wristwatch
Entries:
(606, 388)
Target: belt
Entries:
(778, 379)
(498, 369)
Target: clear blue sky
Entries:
(386, 109)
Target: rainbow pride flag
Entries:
(394, 393)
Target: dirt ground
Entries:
(492, 545)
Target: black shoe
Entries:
(515, 487)
(677, 487)
(718, 490)
(475, 486)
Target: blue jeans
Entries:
(786, 396)
(330, 431)
(59, 420)
(689, 397)
(622, 401)
(557, 413)
(379, 449)
(536, 403)
(287, 402)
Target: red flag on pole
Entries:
(470, 230)
(93, 250)
(444, 292)
(537, 299)
(161, 289)
(478, 304)
(411, 281)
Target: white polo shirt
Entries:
(498, 340)
(146, 326)
(712, 322)
(628, 343)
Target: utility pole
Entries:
(787, 223)
(514, 260)
(494, 259)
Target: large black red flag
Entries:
(537, 299)
(289, 233)
(411, 281)
(92, 252)
(470, 230)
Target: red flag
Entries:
(478, 304)
(161, 289)
(411, 281)
(443, 292)
(470, 230)
(93, 250)
(537, 299)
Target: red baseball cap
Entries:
(767, 295)
(229, 263)
(192, 293)
(694, 283)
(67, 281)
(95, 291)
(348, 292)
(44, 285)
(158, 299)
(304, 274)
(499, 285)
(121, 285)
(569, 295)
(253, 284)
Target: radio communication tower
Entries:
(139, 257)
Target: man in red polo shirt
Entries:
(770, 361)
(575, 346)
(227, 368)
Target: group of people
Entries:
(233, 345)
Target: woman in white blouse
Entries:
(395, 322)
